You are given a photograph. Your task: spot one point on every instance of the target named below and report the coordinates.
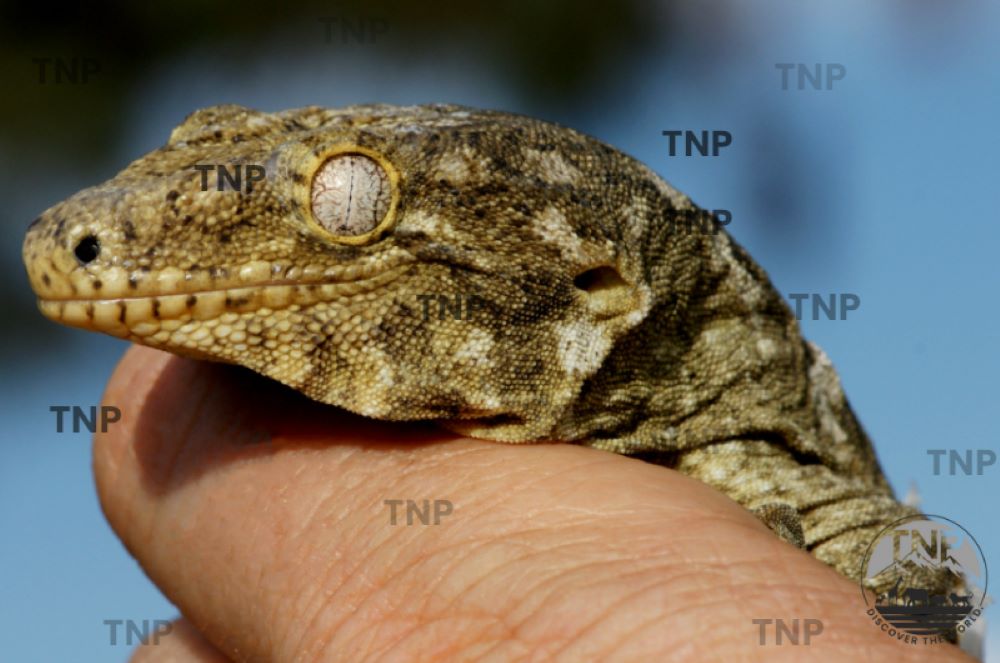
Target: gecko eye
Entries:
(351, 195)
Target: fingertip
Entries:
(179, 643)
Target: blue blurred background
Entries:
(884, 186)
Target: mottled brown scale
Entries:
(609, 319)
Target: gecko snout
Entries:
(66, 253)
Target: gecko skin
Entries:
(602, 313)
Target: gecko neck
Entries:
(718, 357)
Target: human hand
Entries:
(263, 517)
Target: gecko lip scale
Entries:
(145, 316)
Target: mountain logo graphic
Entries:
(924, 580)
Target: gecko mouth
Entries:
(144, 316)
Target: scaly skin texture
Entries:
(602, 312)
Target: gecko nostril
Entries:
(87, 249)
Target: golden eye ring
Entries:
(353, 194)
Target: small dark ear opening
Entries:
(608, 294)
(599, 278)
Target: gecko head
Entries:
(430, 262)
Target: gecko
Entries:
(508, 278)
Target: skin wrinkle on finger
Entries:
(247, 483)
(364, 530)
(299, 550)
(564, 542)
(269, 579)
(401, 570)
(546, 596)
(411, 569)
(391, 579)
(623, 639)
(688, 616)
(701, 620)
(628, 503)
(603, 618)
(312, 600)
(321, 628)
(406, 631)
(388, 542)
(427, 634)
(563, 602)
(263, 594)
(486, 578)
(714, 555)
(798, 598)
(314, 636)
